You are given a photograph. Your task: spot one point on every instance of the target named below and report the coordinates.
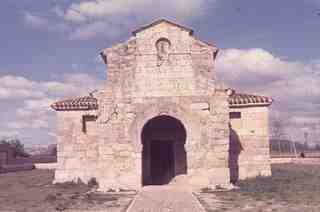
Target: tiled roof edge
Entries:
(80, 103)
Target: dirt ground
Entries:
(32, 191)
(292, 188)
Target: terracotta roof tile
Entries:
(91, 103)
(239, 99)
(80, 103)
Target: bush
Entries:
(93, 182)
(18, 147)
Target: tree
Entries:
(277, 130)
(52, 150)
(18, 147)
(306, 146)
(317, 147)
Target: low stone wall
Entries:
(5, 168)
(34, 159)
(281, 160)
(295, 160)
(46, 165)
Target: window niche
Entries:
(163, 46)
(235, 115)
(85, 120)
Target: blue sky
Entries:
(49, 50)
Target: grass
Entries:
(33, 191)
(291, 185)
(291, 188)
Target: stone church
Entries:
(162, 118)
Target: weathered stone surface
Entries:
(249, 135)
(161, 73)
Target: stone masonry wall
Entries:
(249, 143)
(144, 83)
(120, 144)
(162, 70)
(140, 88)
(187, 70)
(117, 164)
(77, 151)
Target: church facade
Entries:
(162, 118)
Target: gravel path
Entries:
(165, 199)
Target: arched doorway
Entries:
(163, 156)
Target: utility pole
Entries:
(279, 146)
(306, 141)
(294, 146)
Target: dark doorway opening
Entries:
(163, 155)
(162, 162)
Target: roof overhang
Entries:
(80, 103)
(247, 100)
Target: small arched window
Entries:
(163, 46)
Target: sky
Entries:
(49, 50)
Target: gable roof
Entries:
(159, 22)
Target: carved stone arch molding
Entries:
(150, 111)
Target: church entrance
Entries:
(164, 155)
(162, 162)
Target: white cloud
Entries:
(35, 21)
(104, 8)
(295, 86)
(110, 17)
(17, 125)
(8, 134)
(17, 87)
(6, 93)
(83, 82)
(16, 82)
(254, 66)
(34, 123)
(39, 105)
(86, 19)
(52, 134)
(301, 120)
(74, 16)
(13, 87)
(22, 113)
(258, 69)
(34, 113)
(39, 123)
(54, 87)
(107, 28)
(90, 30)
(46, 21)
(35, 97)
(58, 11)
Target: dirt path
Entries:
(165, 199)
